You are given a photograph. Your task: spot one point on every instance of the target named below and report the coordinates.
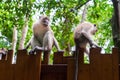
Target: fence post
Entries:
(95, 64)
(28, 66)
(58, 57)
(46, 57)
(6, 68)
(116, 68)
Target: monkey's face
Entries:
(44, 20)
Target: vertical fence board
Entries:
(66, 59)
(33, 67)
(46, 57)
(28, 66)
(6, 72)
(115, 64)
(95, 64)
(106, 67)
(84, 73)
(71, 69)
(83, 69)
(20, 65)
(54, 72)
(9, 67)
(58, 57)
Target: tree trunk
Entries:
(14, 40)
(24, 33)
(116, 24)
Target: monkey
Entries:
(43, 36)
(3, 51)
(49, 40)
(82, 36)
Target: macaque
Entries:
(83, 35)
(3, 51)
(43, 36)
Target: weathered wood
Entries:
(28, 67)
(115, 66)
(58, 58)
(54, 72)
(84, 72)
(46, 57)
(95, 64)
(6, 69)
(71, 69)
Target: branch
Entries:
(24, 33)
(78, 6)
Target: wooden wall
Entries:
(29, 67)
(101, 66)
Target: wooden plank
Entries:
(115, 62)
(81, 56)
(20, 65)
(95, 64)
(106, 67)
(28, 66)
(66, 58)
(58, 57)
(46, 57)
(6, 72)
(83, 69)
(54, 72)
(9, 68)
(84, 72)
(71, 69)
(33, 66)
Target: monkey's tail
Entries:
(76, 60)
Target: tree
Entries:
(14, 14)
(64, 15)
(116, 24)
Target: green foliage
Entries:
(13, 13)
(64, 15)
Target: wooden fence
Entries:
(29, 67)
(101, 66)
